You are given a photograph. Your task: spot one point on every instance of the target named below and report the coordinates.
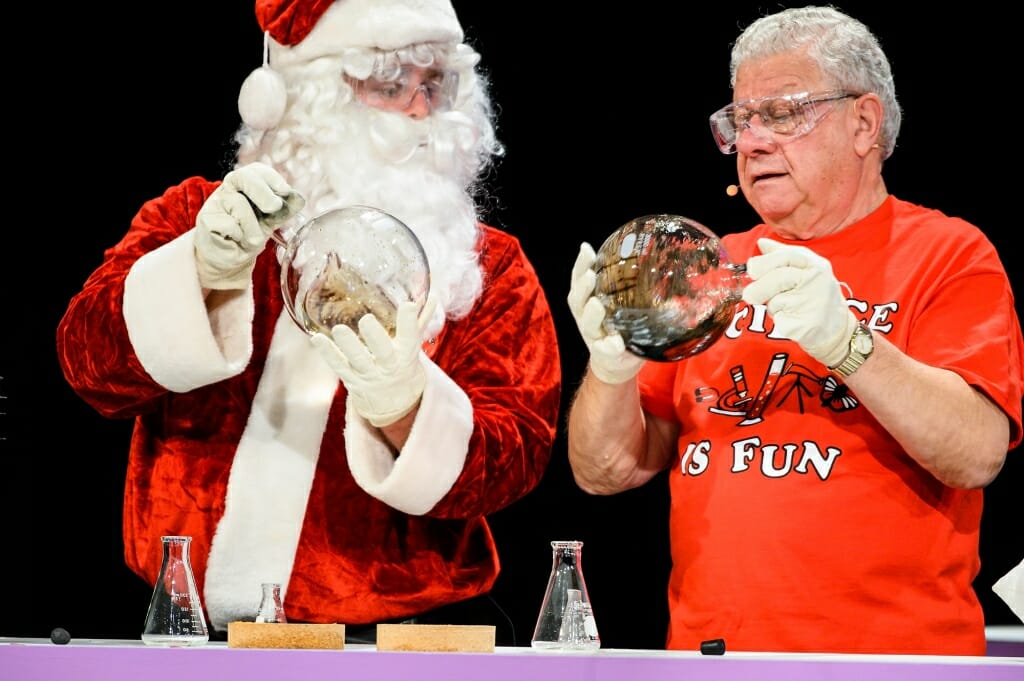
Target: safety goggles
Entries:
(438, 86)
(783, 118)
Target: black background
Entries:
(603, 109)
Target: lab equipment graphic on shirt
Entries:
(784, 380)
(784, 390)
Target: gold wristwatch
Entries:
(862, 343)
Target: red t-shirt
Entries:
(797, 522)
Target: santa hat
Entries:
(297, 31)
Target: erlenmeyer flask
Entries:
(175, 616)
(566, 619)
(271, 607)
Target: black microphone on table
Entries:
(715, 646)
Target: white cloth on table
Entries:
(1010, 587)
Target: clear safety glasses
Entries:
(783, 118)
(438, 86)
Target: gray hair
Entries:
(847, 53)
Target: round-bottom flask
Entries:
(349, 262)
(668, 285)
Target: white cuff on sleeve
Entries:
(178, 342)
(432, 457)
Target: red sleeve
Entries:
(93, 347)
(967, 322)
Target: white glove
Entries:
(384, 376)
(235, 222)
(803, 298)
(610, 361)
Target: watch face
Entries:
(863, 342)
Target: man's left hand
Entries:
(803, 297)
(384, 376)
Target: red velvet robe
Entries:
(356, 534)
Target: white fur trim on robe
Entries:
(433, 455)
(271, 476)
(180, 344)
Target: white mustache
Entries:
(444, 135)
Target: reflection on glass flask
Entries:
(579, 628)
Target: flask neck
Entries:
(566, 550)
(176, 548)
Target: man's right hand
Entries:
(235, 222)
(610, 361)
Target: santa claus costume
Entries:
(244, 438)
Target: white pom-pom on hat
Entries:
(263, 96)
(262, 99)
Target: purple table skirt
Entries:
(41, 660)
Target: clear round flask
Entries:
(566, 620)
(175, 616)
(349, 262)
(668, 285)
